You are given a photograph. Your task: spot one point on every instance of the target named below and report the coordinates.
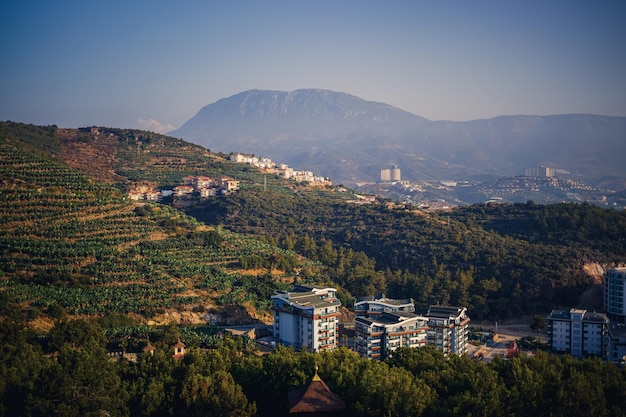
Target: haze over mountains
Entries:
(350, 139)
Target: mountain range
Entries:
(350, 139)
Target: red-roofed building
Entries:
(316, 399)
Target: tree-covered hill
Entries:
(488, 258)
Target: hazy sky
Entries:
(156, 63)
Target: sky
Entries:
(154, 64)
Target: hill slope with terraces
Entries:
(75, 244)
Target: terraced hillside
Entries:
(74, 244)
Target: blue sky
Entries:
(154, 64)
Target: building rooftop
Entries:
(599, 317)
(618, 331)
(305, 298)
(315, 397)
(444, 311)
(389, 318)
(385, 300)
(587, 316)
(559, 314)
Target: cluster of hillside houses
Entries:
(210, 187)
(198, 185)
(282, 170)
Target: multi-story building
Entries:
(376, 305)
(617, 343)
(540, 171)
(615, 294)
(390, 174)
(377, 337)
(578, 332)
(307, 317)
(395, 174)
(228, 184)
(448, 329)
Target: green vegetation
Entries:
(73, 246)
(491, 258)
(68, 372)
(71, 243)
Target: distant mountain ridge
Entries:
(350, 139)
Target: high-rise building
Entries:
(395, 173)
(390, 174)
(448, 329)
(378, 336)
(615, 294)
(383, 324)
(540, 171)
(307, 317)
(578, 332)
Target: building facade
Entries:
(448, 329)
(617, 343)
(377, 337)
(578, 332)
(307, 317)
(615, 294)
(376, 305)
(540, 171)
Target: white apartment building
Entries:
(448, 329)
(578, 332)
(376, 305)
(390, 174)
(307, 317)
(615, 294)
(376, 338)
(540, 171)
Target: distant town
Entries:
(541, 184)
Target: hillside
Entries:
(499, 260)
(351, 140)
(72, 244)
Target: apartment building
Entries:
(378, 336)
(615, 294)
(307, 317)
(448, 329)
(376, 305)
(540, 171)
(617, 343)
(578, 332)
(390, 174)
